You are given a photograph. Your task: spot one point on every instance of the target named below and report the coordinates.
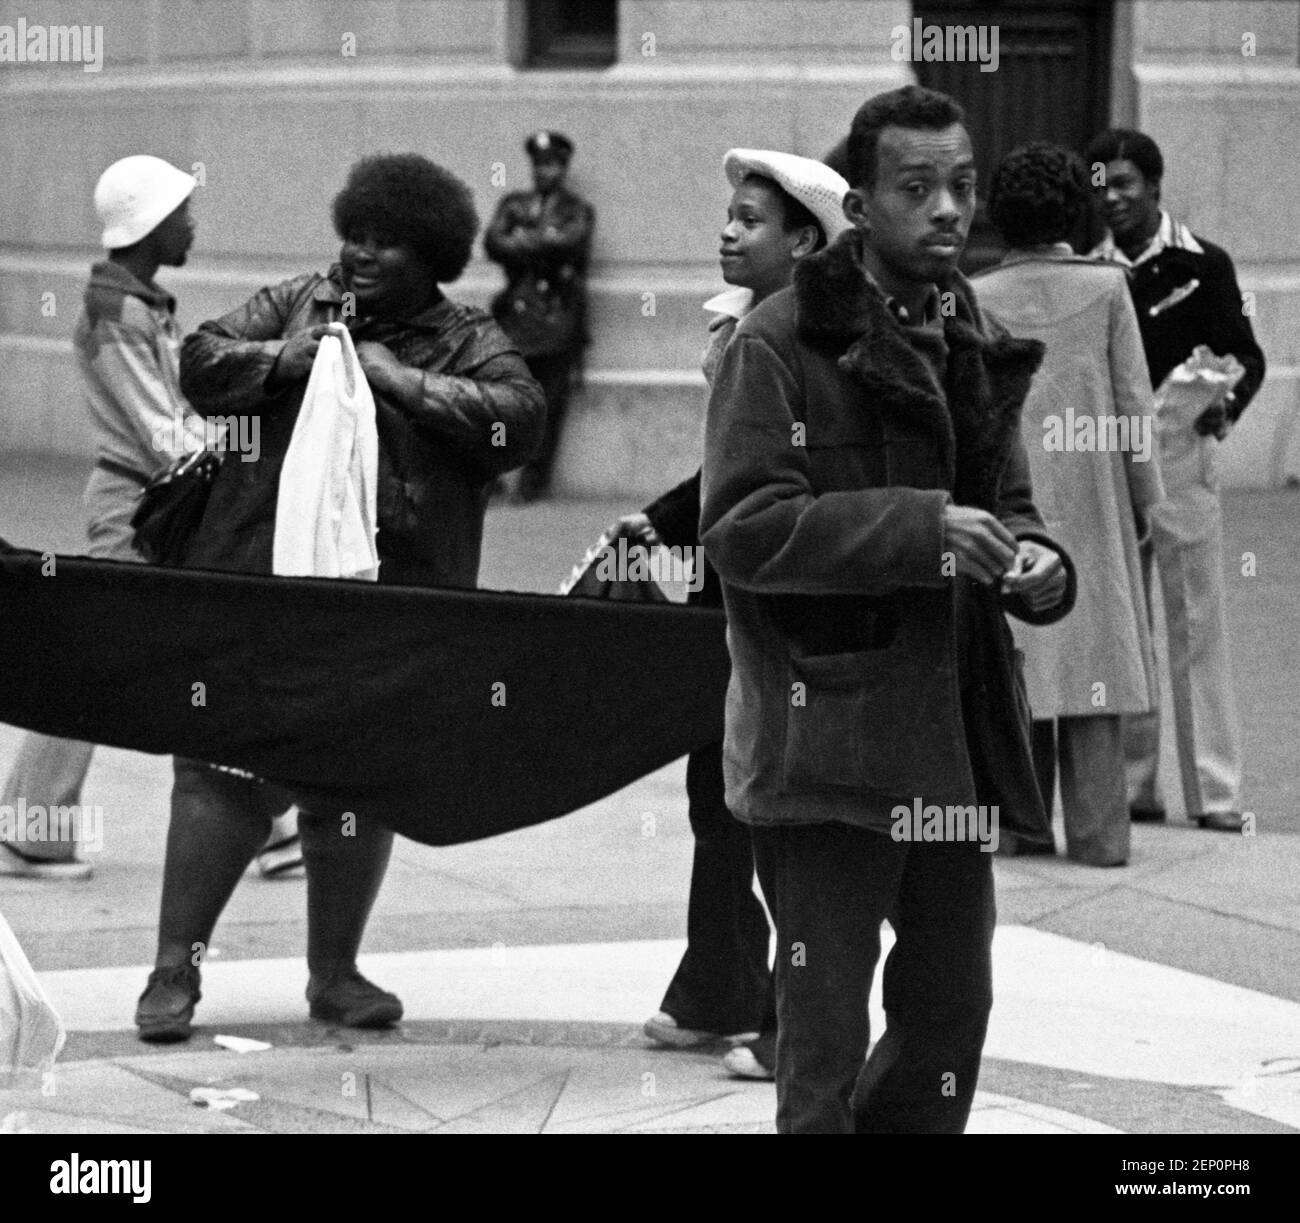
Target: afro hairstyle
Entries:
(407, 200)
(1038, 194)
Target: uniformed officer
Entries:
(542, 238)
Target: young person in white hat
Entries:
(127, 344)
(782, 208)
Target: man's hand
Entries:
(636, 528)
(983, 548)
(297, 356)
(1038, 576)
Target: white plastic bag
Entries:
(325, 517)
(31, 1032)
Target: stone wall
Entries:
(261, 96)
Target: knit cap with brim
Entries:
(816, 186)
(134, 195)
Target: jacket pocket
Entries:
(870, 720)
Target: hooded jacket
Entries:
(830, 455)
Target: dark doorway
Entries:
(1052, 82)
(571, 33)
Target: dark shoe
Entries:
(166, 1007)
(1147, 815)
(1221, 821)
(347, 998)
(1012, 846)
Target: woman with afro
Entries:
(455, 406)
(1088, 425)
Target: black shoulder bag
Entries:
(171, 506)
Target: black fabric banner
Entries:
(447, 715)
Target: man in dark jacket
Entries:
(1185, 291)
(543, 240)
(866, 503)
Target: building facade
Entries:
(270, 101)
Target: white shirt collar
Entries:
(1170, 233)
(734, 302)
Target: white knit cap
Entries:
(134, 195)
(816, 186)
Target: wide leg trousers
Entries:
(1187, 549)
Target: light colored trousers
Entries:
(50, 772)
(1187, 547)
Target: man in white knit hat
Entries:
(127, 343)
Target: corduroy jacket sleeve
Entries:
(764, 527)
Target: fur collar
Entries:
(838, 310)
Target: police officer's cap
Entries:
(549, 144)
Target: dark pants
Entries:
(829, 887)
(555, 373)
(723, 983)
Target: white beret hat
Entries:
(816, 186)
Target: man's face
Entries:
(1130, 200)
(915, 217)
(548, 173)
(173, 236)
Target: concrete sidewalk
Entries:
(1160, 998)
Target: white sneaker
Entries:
(742, 1064)
(282, 852)
(663, 1029)
(15, 863)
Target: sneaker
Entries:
(750, 1061)
(347, 998)
(1147, 815)
(166, 1007)
(282, 852)
(663, 1029)
(15, 863)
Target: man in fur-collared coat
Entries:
(866, 503)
